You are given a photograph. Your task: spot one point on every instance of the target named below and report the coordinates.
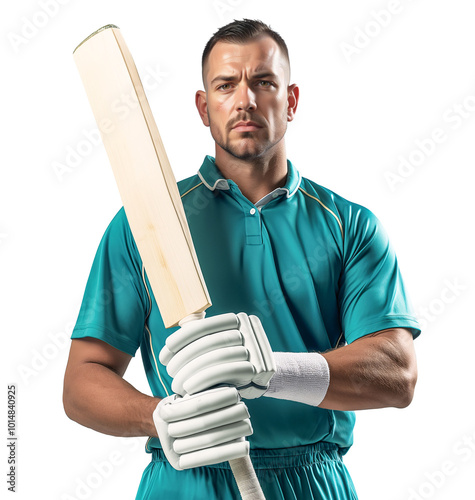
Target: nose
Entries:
(245, 99)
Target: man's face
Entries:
(247, 98)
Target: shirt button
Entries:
(252, 211)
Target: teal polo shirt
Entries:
(318, 271)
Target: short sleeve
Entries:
(114, 305)
(372, 295)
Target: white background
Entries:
(374, 87)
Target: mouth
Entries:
(246, 126)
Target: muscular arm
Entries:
(96, 396)
(376, 371)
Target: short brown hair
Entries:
(242, 32)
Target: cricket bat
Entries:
(148, 191)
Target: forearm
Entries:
(373, 372)
(97, 397)
(376, 371)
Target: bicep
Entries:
(91, 350)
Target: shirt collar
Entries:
(211, 176)
(213, 179)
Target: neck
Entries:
(255, 177)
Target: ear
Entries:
(292, 100)
(202, 106)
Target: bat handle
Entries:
(246, 479)
(192, 317)
(242, 468)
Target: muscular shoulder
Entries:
(359, 226)
(352, 215)
(118, 241)
(119, 229)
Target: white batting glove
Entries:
(229, 349)
(203, 429)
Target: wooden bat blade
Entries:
(145, 179)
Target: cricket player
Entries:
(310, 318)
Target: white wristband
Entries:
(300, 376)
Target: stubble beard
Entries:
(240, 152)
(256, 151)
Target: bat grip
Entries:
(246, 479)
(242, 468)
(192, 317)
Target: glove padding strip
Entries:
(212, 426)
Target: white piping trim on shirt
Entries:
(149, 332)
(191, 189)
(326, 208)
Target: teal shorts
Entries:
(314, 472)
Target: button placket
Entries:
(253, 226)
(252, 217)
